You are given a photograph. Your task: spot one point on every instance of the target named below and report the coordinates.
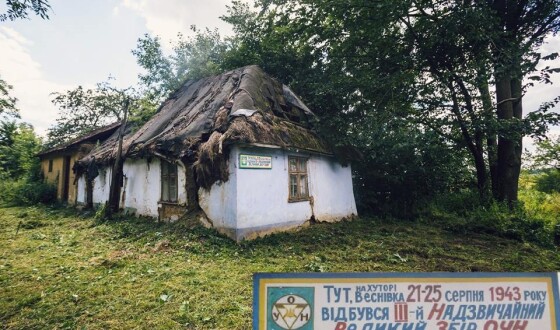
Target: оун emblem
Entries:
(290, 308)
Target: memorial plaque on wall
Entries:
(255, 162)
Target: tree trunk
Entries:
(117, 173)
(507, 61)
(490, 132)
(89, 192)
(517, 94)
(509, 160)
(481, 176)
(474, 145)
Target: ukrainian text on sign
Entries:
(255, 161)
(485, 301)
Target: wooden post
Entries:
(117, 172)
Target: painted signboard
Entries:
(406, 301)
(255, 161)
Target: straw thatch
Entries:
(201, 119)
(98, 134)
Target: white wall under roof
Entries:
(254, 202)
(141, 190)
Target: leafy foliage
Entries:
(18, 148)
(429, 62)
(404, 168)
(547, 154)
(357, 74)
(84, 110)
(27, 192)
(192, 58)
(7, 102)
(549, 182)
(19, 9)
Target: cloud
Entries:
(19, 69)
(167, 18)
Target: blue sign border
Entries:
(258, 277)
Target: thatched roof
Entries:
(202, 118)
(98, 134)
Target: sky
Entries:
(84, 42)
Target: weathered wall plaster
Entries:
(255, 202)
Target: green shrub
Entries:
(22, 192)
(462, 213)
(548, 182)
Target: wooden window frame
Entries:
(169, 182)
(301, 174)
(50, 166)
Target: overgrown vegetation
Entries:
(66, 270)
(27, 192)
(429, 91)
(21, 180)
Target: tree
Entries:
(547, 154)
(7, 102)
(432, 62)
(520, 28)
(192, 58)
(18, 148)
(83, 110)
(352, 65)
(18, 9)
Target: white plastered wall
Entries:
(141, 190)
(255, 201)
(81, 189)
(101, 186)
(331, 188)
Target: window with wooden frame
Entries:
(297, 169)
(50, 165)
(168, 182)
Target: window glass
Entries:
(293, 165)
(303, 186)
(293, 186)
(168, 181)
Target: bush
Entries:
(23, 192)
(462, 213)
(548, 182)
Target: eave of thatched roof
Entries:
(100, 133)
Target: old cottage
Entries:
(57, 162)
(240, 146)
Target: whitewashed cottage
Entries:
(240, 147)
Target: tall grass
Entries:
(25, 192)
(536, 218)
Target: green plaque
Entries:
(255, 161)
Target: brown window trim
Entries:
(298, 173)
(50, 166)
(168, 203)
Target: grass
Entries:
(67, 270)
